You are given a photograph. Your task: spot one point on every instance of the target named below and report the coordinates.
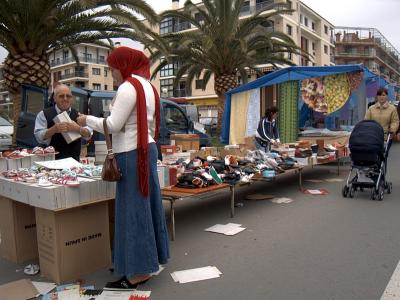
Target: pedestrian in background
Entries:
(267, 132)
(385, 114)
(141, 238)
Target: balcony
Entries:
(180, 93)
(74, 74)
(83, 59)
(355, 54)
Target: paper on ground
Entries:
(72, 294)
(334, 180)
(314, 180)
(197, 274)
(315, 192)
(227, 229)
(65, 163)
(43, 287)
(121, 295)
(282, 200)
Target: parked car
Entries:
(173, 118)
(6, 131)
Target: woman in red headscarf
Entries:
(141, 238)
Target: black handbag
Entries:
(111, 171)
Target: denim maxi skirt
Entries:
(141, 237)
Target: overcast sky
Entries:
(380, 14)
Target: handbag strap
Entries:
(107, 136)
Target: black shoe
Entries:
(121, 284)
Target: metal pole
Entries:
(172, 219)
(232, 188)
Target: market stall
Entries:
(331, 98)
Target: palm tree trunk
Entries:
(223, 84)
(25, 68)
(16, 99)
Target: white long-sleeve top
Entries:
(122, 122)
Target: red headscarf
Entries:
(133, 62)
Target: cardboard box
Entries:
(73, 242)
(170, 149)
(18, 241)
(186, 141)
(100, 147)
(172, 158)
(17, 290)
(51, 197)
(13, 164)
(3, 164)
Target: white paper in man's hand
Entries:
(68, 136)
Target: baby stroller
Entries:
(368, 153)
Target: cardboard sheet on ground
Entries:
(59, 164)
(18, 290)
(197, 274)
(227, 229)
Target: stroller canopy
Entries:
(367, 136)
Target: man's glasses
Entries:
(64, 96)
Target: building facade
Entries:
(367, 46)
(309, 30)
(91, 73)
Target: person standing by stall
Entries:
(49, 133)
(267, 133)
(141, 237)
(385, 114)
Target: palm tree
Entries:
(223, 44)
(29, 29)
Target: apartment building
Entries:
(308, 29)
(367, 46)
(91, 73)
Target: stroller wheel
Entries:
(345, 191)
(389, 187)
(381, 191)
(373, 194)
(352, 192)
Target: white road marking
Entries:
(392, 290)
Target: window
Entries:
(101, 58)
(96, 86)
(167, 87)
(245, 9)
(175, 120)
(169, 70)
(105, 87)
(313, 46)
(200, 84)
(326, 49)
(305, 21)
(65, 54)
(105, 72)
(313, 26)
(301, 19)
(289, 4)
(326, 29)
(289, 29)
(289, 55)
(198, 17)
(96, 71)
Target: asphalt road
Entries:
(317, 247)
